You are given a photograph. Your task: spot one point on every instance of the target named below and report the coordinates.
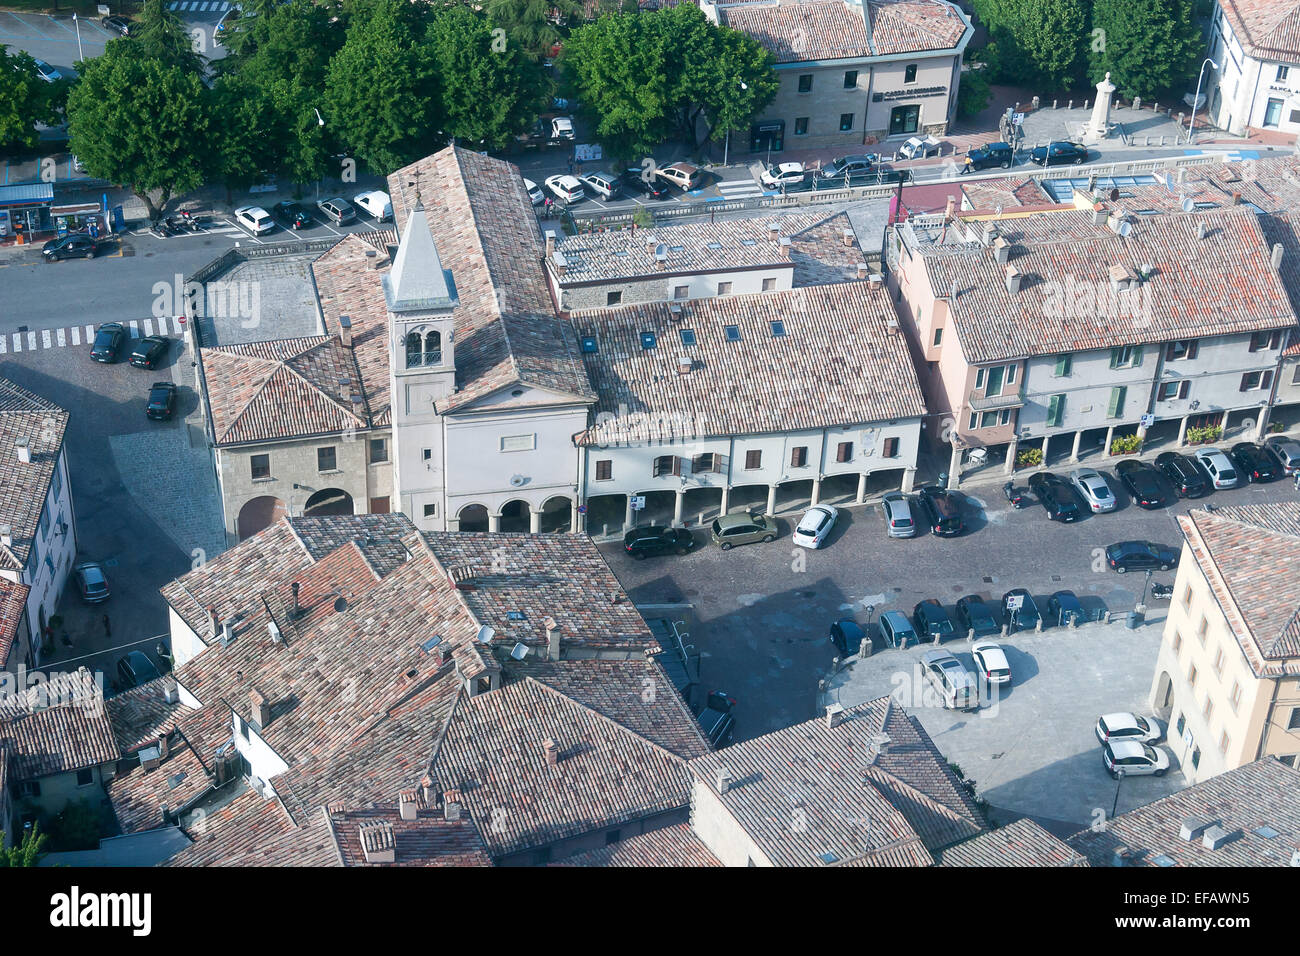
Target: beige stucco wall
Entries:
(720, 832)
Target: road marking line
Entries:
(62, 336)
(162, 325)
(18, 342)
(45, 338)
(31, 341)
(135, 329)
(148, 326)
(90, 334)
(76, 335)
(4, 345)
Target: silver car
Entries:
(899, 522)
(1286, 451)
(1092, 487)
(948, 676)
(1218, 466)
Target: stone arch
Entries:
(472, 518)
(328, 501)
(257, 514)
(515, 516)
(556, 514)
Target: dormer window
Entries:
(423, 349)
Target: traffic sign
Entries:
(638, 502)
(1148, 421)
(1015, 602)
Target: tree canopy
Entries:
(25, 100)
(1149, 47)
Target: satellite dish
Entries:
(340, 604)
(517, 480)
(1187, 204)
(520, 651)
(1114, 194)
(1125, 228)
(486, 633)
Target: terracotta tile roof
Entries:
(13, 602)
(820, 253)
(1266, 29)
(57, 726)
(1006, 192)
(428, 840)
(904, 26)
(238, 825)
(796, 31)
(289, 388)
(1250, 555)
(378, 536)
(675, 845)
(140, 715)
(836, 364)
(1265, 793)
(482, 221)
(1022, 843)
(1218, 285)
(24, 486)
(606, 775)
(312, 844)
(849, 800)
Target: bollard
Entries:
(1162, 141)
(1039, 626)
(821, 685)
(1004, 630)
(1181, 117)
(1155, 107)
(1071, 105)
(1146, 140)
(1137, 102)
(937, 638)
(1053, 104)
(864, 650)
(1085, 104)
(1035, 102)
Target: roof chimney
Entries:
(378, 842)
(345, 330)
(990, 234)
(1236, 198)
(551, 748)
(1201, 229)
(451, 805)
(661, 258)
(1192, 828)
(552, 638)
(848, 237)
(550, 241)
(1013, 279)
(426, 789)
(213, 620)
(1277, 256)
(723, 780)
(24, 449)
(406, 804)
(785, 247)
(1214, 837)
(1099, 216)
(880, 743)
(651, 243)
(227, 633)
(295, 587)
(559, 262)
(773, 231)
(6, 535)
(950, 208)
(162, 746)
(261, 709)
(834, 714)
(875, 280)
(684, 365)
(1001, 250)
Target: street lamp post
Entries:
(1191, 123)
(77, 21)
(726, 149)
(320, 121)
(1119, 778)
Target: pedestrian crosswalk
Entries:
(76, 335)
(199, 6)
(740, 189)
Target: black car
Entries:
(291, 214)
(1001, 155)
(135, 669)
(1056, 495)
(108, 342)
(942, 511)
(76, 246)
(1126, 556)
(931, 618)
(977, 615)
(1064, 608)
(633, 181)
(162, 401)
(716, 720)
(1059, 154)
(641, 542)
(1142, 482)
(847, 635)
(148, 351)
(117, 24)
(1184, 474)
(1023, 618)
(1258, 464)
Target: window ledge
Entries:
(331, 471)
(262, 481)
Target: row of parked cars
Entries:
(374, 202)
(659, 184)
(147, 352)
(859, 170)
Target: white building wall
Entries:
(718, 830)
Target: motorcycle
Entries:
(1162, 592)
(157, 229)
(190, 221)
(1018, 497)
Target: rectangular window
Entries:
(426, 454)
(1181, 723)
(974, 421)
(1282, 72)
(241, 727)
(769, 284)
(979, 378)
(1055, 411)
(1181, 349)
(1224, 743)
(938, 336)
(1258, 380)
(844, 451)
(1116, 407)
(1187, 598)
(1294, 722)
(431, 511)
(1234, 698)
(30, 788)
(1260, 341)
(56, 480)
(519, 442)
(681, 291)
(709, 461)
(605, 469)
(801, 126)
(261, 465)
(378, 450)
(724, 288)
(805, 83)
(1218, 662)
(381, 506)
(891, 448)
(1208, 710)
(1273, 112)
(988, 419)
(1005, 418)
(666, 465)
(613, 298)
(85, 777)
(1172, 390)
(327, 458)
(43, 526)
(1191, 674)
(846, 122)
(754, 459)
(1126, 356)
(1202, 629)
(1062, 366)
(909, 73)
(851, 79)
(799, 457)
(1177, 644)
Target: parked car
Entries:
(849, 166)
(46, 72)
(375, 203)
(109, 338)
(255, 219)
(1218, 466)
(815, 525)
(783, 174)
(640, 181)
(562, 128)
(943, 511)
(898, 515)
(1001, 155)
(1142, 481)
(1255, 463)
(92, 582)
(897, 630)
(1286, 451)
(566, 188)
(1064, 608)
(148, 351)
(116, 24)
(135, 669)
(1186, 476)
(1056, 495)
(162, 401)
(919, 147)
(603, 185)
(991, 662)
(1023, 618)
(932, 619)
(716, 719)
(337, 210)
(976, 614)
(535, 194)
(1125, 556)
(682, 175)
(1093, 489)
(291, 214)
(643, 542)
(1134, 758)
(847, 635)
(954, 683)
(1059, 154)
(1126, 726)
(77, 245)
(731, 530)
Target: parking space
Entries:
(53, 38)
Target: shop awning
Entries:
(26, 195)
(76, 209)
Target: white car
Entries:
(918, 147)
(1092, 487)
(1286, 451)
(535, 194)
(562, 127)
(782, 174)
(376, 202)
(948, 676)
(1134, 757)
(815, 525)
(602, 184)
(991, 662)
(1124, 726)
(1218, 466)
(566, 188)
(255, 219)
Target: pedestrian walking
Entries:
(108, 630)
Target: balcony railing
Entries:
(990, 403)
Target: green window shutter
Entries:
(1054, 408)
(1137, 356)
(1062, 366)
(1115, 356)
(1116, 402)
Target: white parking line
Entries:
(18, 342)
(45, 338)
(62, 336)
(148, 326)
(4, 345)
(76, 335)
(31, 341)
(90, 334)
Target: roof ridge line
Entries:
(681, 761)
(346, 409)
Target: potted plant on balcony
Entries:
(1029, 458)
(1125, 444)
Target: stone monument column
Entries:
(1098, 127)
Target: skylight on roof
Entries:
(713, 245)
(676, 248)
(733, 332)
(431, 643)
(589, 344)
(515, 615)
(688, 336)
(749, 242)
(778, 329)
(648, 340)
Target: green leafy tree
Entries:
(160, 33)
(136, 120)
(245, 152)
(1149, 47)
(974, 93)
(381, 97)
(26, 853)
(25, 100)
(533, 25)
(1038, 42)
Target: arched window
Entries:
(433, 349)
(413, 356)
